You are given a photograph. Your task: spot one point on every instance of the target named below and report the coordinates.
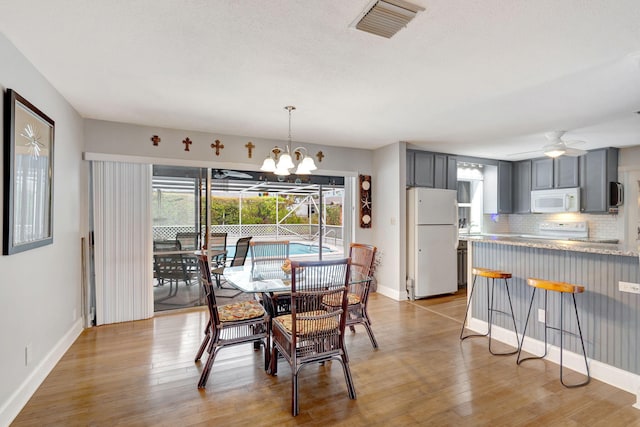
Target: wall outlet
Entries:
(541, 315)
(633, 288)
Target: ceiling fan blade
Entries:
(574, 152)
(226, 173)
(522, 153)
(237, 174)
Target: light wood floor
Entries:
(142, 373)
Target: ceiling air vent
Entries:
(387, 17)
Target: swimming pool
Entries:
(295, 248)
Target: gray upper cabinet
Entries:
(522, 187)
(497, 188)
(433, 170)
(505, 182)
(597, 169)
(542, 174)
(423, 169)
(410, 168)
(565, 172)
(561, 172)
(452, 173)
(440, 171)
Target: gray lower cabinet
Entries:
(522, 187)
(597, 169)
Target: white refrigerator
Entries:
(432, 242)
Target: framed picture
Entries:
(365, 201)
(28, 175)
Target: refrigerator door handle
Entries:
(456, 225)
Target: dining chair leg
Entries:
(351, 389)
(205, 341)
(294, 393)
(207, 368)
(367, 326)
(273, 361)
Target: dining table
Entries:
(271, 282)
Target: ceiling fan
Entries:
(226, 173)
(557, 146)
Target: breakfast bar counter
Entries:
(610, 318)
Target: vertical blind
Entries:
(123, 241)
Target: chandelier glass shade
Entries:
(282, 161)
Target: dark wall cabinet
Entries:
(497, 192)
(598, 168)
(522, 186)
(433, 170)
(561, 172)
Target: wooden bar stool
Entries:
(493, 275)
(563, 288)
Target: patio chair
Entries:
(239, 258)
(189, 241)
(310, 333)
(267, 259)
(168, 268)
(362, 259)
(230, 324)
(218, 242)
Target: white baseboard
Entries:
(392, 293)
(611, 375)
(12, 407)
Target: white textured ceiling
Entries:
(485, 78)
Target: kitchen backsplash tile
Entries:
(600, 226)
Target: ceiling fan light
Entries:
(554, 152)
(269, 165)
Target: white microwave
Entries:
(558, 200)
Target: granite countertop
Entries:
(564, 245)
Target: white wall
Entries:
(40, 290)
(133, 142)
(389, 218)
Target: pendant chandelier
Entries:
(282, 161)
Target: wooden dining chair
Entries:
(310, 333)
(267, 259)
(362, 259)
(230, 324)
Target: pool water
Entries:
(294, 249)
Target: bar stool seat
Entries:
(563, 288)
(493, 275)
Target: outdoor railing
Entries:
(300, 231)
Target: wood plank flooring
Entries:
(142, 373)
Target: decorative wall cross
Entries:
(250, 148)
(218, 146)
(156, 140)
(187, 142)
(320, 156)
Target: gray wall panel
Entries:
(609, 318)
